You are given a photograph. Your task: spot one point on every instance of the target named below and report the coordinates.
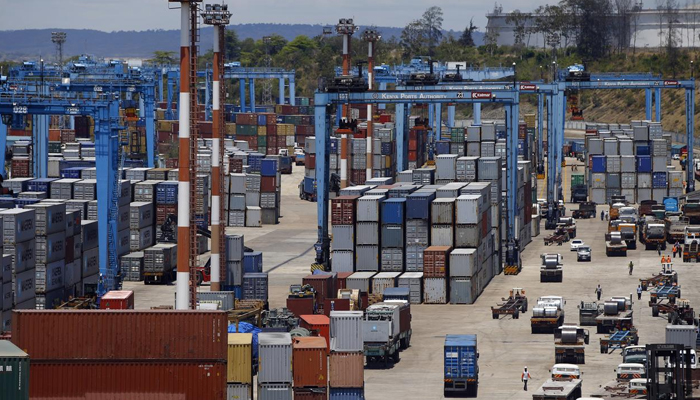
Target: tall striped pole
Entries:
(182, 298)
(216, 167)
(346, 27)
(370, 36)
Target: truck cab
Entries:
(628, 371)
(565, 372)
(635, 355)
(638, 386)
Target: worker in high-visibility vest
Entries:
(525, 376)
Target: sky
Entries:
(115, 15)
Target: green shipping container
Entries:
(14, 372)
(247, 130)
(577, 179)
(262, 141)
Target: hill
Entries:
(24, 44)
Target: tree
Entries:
(491, 40)
(432, 26)
(519, 20)
(672, 36)
(412, 38)
(467, 39)
(232, 45)
(635, 23)
(622, 23)
(593, 27)
(163, 57)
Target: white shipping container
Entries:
(442, 211)
(384, 280)
(368, 208)
(18, 225)
(414, 282)
(469, 209)
(464, 262)
(346, 331)
(442, 235)
(435, 291)
(343, 261)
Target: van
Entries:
(565, 372)
(628, 371)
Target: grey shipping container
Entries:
(643, 194)
(123, 241)
(234, 273)
(464, 262)
(275, 391)
(417, 232)
(255, 286)
(89, 234)
(139, 239)
(145, 191)
(6, 268)
(463, 290)
(48, 217)
(360, 281)
(446, 166)
(392, 260)
(23, 255)
(49, 277)
(275, 357)
(234, 247)
(644, 181)
(367, 233)
(414, 258)
(368, 208)
(91, 262)
(414, 282)
(613, 180)
(141, 214)
(442, 211)
(435, 291)
(384, 280)
(468, 235)
(132, 266)
(442, 235)
(681, 334)
(25, 286)
(489, 168)
(50, 248)
(367, 258)
(346, 331)
(236, 202)
(18, 225)
(392, 236)
(343, 237)
(343, 261)
(253, 216)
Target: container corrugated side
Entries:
(127, 379)
(239, 391)
(274, 357)
(346, 370)
(240, 358)
(121, 334)
(310, 361)
(14, 372)
(275, 391)
(346, 331)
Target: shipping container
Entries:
(464, 290)
(324, 285)
(18, 225)
(346, 331)
(346, 369)
(275, 391)
(14, 378)
(368, 208)
(239, 391)
(274, 357)
(117, 300)
(120, 334)
(310, 361)
(435, 290)
(436, 261)
(240, 358)
(384, 280)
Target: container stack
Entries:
(235, 263)
(310, 163)
(343, 230)
(159, 260)
(417, 228)
(6, 292)
(473, 141)
(19, 242)
(310, 355)
(90, 257)
(442, 216)
(436, 274)
(201, 210)
(141, 225)
(392, 235)
(383, 151)
(253, 213)
(50, 253)
(458, 141)
(255, 286)
(358, 161)
(347, 360)
(269, 191)
(239, 374)
(417, 138)
(275, 365)
(236, 199)
(368, 231)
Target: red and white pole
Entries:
(216, 165)
(346, 113)
(370, 81)
(182, 297)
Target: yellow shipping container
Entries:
(230, 128)
(160, 114)
(165, 126)
(278, 109)
(262, 131)
(530, 120)
(240, 358)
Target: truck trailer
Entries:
(548, 314)
(558, 390)
(570, 344)
(461, 375)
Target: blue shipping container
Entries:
(262, 120)
(460, 356)
(309, 185)
(252, 261)
(20, 203)
(346, 393)
(442, 147)
(166, 193)
(387, 148)
(658, 180)
(671, 204)
(643, 150)
(40, 185)
(578, 146)
(254, 161)
(7, 202)
(202, 220)
(599, 164)
(72, 173)
(393, 211)
(268, 167)
(396, 293)
(334, 146)
(418, 205)
(644, 164)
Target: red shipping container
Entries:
(206, 127)
(300, 306)
(309, 360)
(323, 284)
(385, 118)
(272, 151)
(412, 145)
(343, 210)
(331, 304)
(310, 393)
(341, 281)
(19, 132)
(121, 334)
(127, 380)
(162, 212)
(318, 325)
(268, 184)
(435, 261)
(54, 135)
(412, 155)
(271, 128)
(236, 165)
(306, 130)
(358, 176)
(171, 163)
(70, 249)
(310, 161)
(347, 370)
(20, 168)
(360, 134)
(364, 300)
(117, 300)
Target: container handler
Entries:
(570, 344)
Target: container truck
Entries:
(615, 210)
(570, 344)
(551, 269)
(616, 314)
(461, 366)
(645, 207)
(691, 243)
(634, 354)
(628, 231)
(675, 228)
(586, 209)
(614, 245)
(558, 390)
(692, 212)
(588, 312)
(548, 314)
(382, 331)
(628, 214)
(565, 372)
(653, 234)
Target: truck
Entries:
(645, 207)
(628, 231)
(551, 269)
(692, 212)
(619, 339)
(666, 291)
(634, 354)
(383, 332)
(617, 313)
(628, 371)
(588, 312)
(579, 194)
(569, 344)
(614, 210)
(667, 276)
(461, 374)
(677, 312)
(567, 224)
(628, 214)
(614, 245)
(548, 314)
(565, 372)
(691, 244)
(653, 235)
(675, 228)
(586, 209)
(558, 390)
(513, 305)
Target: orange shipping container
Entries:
(347, 370)
(54, 135)
(121, 334)
(127, 380)
(117, 300)
(310, 361)
(318, 324)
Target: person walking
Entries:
(607, 215)
(598, 291)
(658, 249)
(639, 292)
(602, 215)
(631, 266)
(525, 376)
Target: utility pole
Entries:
(346, 27)
(371, 36)
(58, 38)
(218, 16)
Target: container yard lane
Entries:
(505, 345)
